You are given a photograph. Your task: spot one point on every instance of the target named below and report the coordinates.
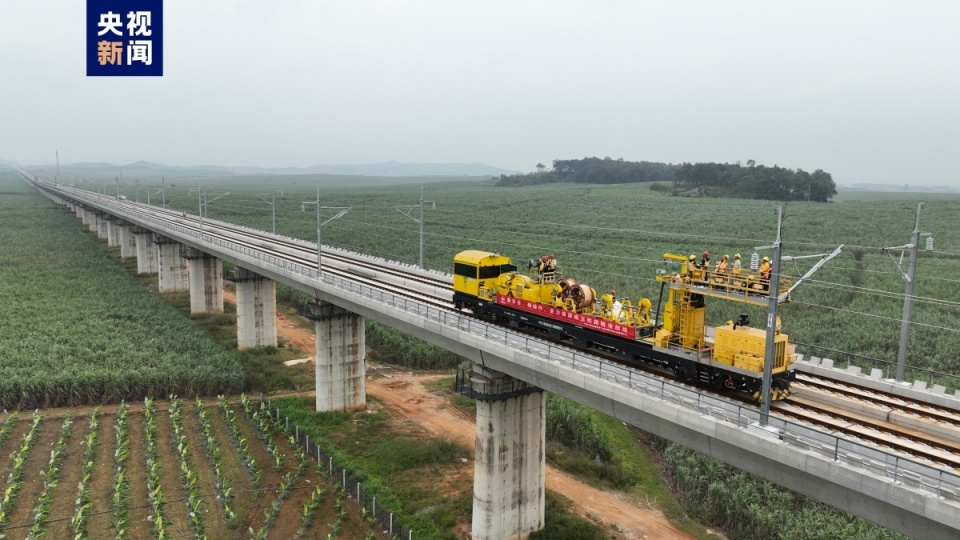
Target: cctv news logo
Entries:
(124, 38)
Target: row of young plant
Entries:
(377, 516)
(152, 454)
(341, 509)
(51, 476)
(81, 510)
(268, 428)
(240, 442)
(189, 478)
(18, 462)
(212, 447)
(263, 421)
(121, 484)
(7, 426)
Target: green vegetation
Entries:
(614, 237)
(394, 347)
(560, 523)
(597, 446)
(392, 466)
(76, 330)
(744, 506)
(593, 170)
(755, 182)
(62, 482)
(713, 179)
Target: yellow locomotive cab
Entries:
(474, 269)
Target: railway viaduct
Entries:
(511, 375)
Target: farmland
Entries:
(74, 329)
(197, 469)
(614, 237)
(527, 222)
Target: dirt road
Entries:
(407, 397)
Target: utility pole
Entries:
(421, 223)
(58, 166)
(199, 190)
(342, 212)
(118, 187)
(770, 352)
(163, 188)
(405, 210)
(273, 205)
(319, 243)
(914, 248)
(159, 190)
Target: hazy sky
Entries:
(866, 90)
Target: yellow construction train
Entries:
(676, 337)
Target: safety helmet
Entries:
(737, 256)
(705, 254)
(693, 257)
(766, 259)
(725, 256)
(614, 293)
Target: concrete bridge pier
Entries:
(128, 241)
(341, 370)
(113, 233)
(78, 210)
(173, 269)
(206, 281)
(146, 251)
(93, 218)
(101, 226)
(256, 309)
(510, 465)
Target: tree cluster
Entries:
(701, 179)
(754, 182)
(594, 170)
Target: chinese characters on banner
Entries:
(579, 319)
(124, 37)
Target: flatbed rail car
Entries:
(728, 356)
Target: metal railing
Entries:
(349, 481)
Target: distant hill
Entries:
(386, 168)
(147, 169)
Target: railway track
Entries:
(933, 434)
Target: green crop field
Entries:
(614, 237)
(75, 329)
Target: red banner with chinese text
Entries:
(579, 319)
